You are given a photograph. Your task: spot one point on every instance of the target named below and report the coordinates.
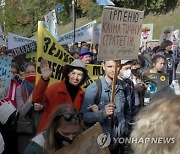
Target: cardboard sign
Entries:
(120, 34)
(86, 143)
(166, 33)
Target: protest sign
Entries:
(15, 41)
(5, 75)
(57, 56)
(20, 54)
(81, 34)
(176, 34)
(146, 33)
(96, 30)
(86, 143)
(120, 34)
(166, 33)
(24, 49)
(50, 22)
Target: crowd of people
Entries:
(48, 117)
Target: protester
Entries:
(139, 87)
(157, 127)
(84, 45)
(113, 116)
(94, 50)
(8, 129)
(64, 125)
(147, 55)
(68, 90)
(86, 55)
(74, 48)
(165, 50)
(15, 81)
(157, 66)
(175, 49)
(75, 55)
(125, 76)
(29, 111)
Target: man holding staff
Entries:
(112, 115)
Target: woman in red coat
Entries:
(68, 90)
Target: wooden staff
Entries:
(114, 81)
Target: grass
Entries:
(170, 19)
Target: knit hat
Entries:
(77, 63)
(85, 51)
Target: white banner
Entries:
(81, 34)
(166, 33)
(120, 34)
(146, 33)
(15, 41)
(24, 49)
(96, 33)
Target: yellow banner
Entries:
(48, 48)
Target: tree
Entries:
(148, 5)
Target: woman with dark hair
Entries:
(64, 125)
(14, 84)
(29, 111)
(157, 66)
(165, 50)
(68, 90)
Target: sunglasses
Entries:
(70, 116)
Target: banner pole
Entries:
(114, 81)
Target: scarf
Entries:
(73, 90)
(26, 89)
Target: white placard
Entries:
(50, 21)
(146, 33)
(166, 33)
(6, 109)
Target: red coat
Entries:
(54, 96)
